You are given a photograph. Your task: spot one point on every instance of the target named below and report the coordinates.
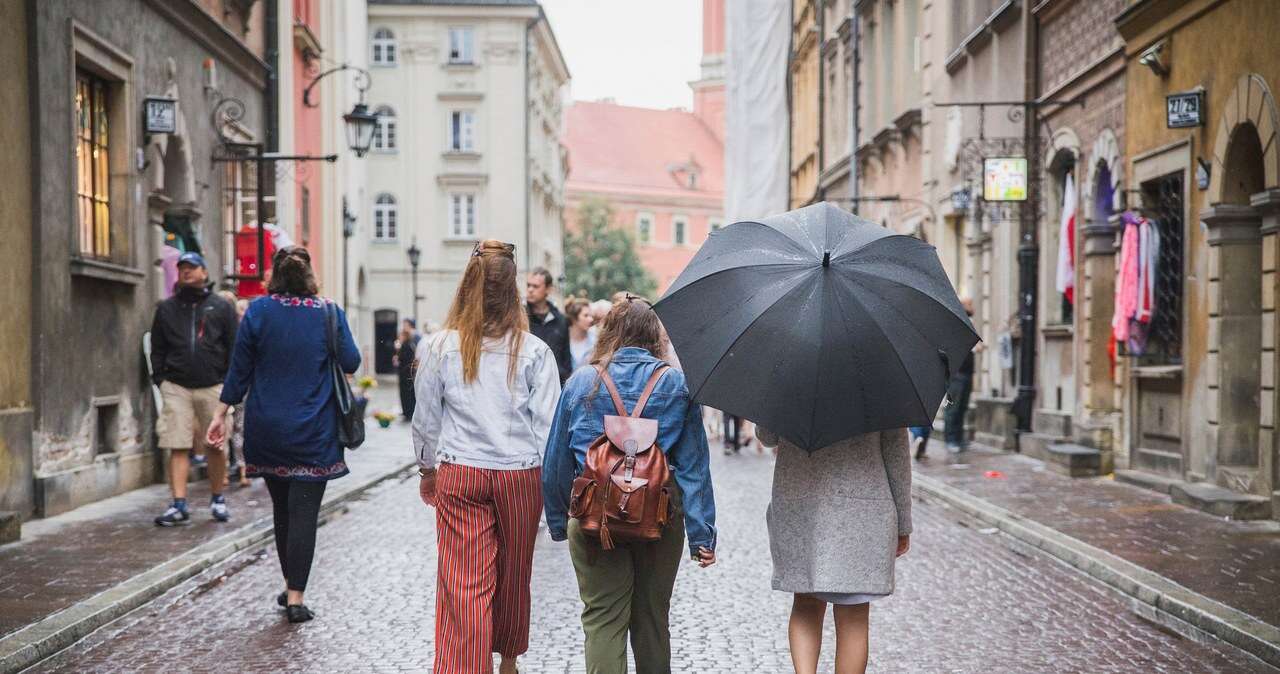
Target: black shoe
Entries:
(298, 613)
(282, 599)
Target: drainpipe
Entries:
(819, 193)
(791, 45)
(1028, 248)
(856, 47)
(271, 97)
(528, 173)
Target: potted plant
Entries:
(361, 391)
(384, 418)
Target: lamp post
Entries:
(348, 230)
(415, 257)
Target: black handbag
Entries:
(350, 412)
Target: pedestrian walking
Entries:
(487, 391)
(282, 354)
(838, 519)
(235, 439)
(730, 436)
(958, 391)
(582, 339)
(191, 341)
(406, 347)
(920, 440)
(546, 322)
(626, 587)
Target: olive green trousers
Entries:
(627, 589)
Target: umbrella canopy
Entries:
(817, 324)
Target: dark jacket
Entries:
(191, 338)
(553, 328)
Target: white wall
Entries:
(424, 89)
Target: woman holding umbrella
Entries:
(833, 334)
(838, 519)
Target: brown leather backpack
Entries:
(622, 494)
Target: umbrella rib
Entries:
(894, 347)
(915, 290)
(694, 394)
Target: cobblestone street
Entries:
(967, 601)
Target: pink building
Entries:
(661, 170)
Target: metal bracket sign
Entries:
(160, 115)
(1185, 110)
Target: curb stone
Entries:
(55, 632)
(1155, 596)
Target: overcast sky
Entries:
(639, 52)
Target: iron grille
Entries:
(1164, 205)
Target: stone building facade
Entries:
(1199, 406)
(804, 79)
(106, 198)
(890, 115)
(975, 51)
(468, 148)
(1080, 81)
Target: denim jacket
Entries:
(579, 420)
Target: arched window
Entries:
(384, 137)
(384, 47)
(384, 218)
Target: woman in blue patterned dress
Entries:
(291, 421)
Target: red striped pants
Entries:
(486, 525)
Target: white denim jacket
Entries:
(490, 422)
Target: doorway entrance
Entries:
(384, 340)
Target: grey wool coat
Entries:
(836, 514)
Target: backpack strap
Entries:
(613, 391)
(648, 389)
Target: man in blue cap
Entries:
(191, 341)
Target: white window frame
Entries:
(680, 230)
(462, 214)
(462, 41)
(644, 236)
(386, 218)
(383, 48)
(385, 133)
(464, 140)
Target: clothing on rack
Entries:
(1136, 278)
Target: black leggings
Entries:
(295, 507)
(731, 424)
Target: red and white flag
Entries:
(1066, 281)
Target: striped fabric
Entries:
(486, 525)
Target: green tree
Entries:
(600, 259)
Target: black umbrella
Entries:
(817, 324)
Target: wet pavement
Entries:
(1232, 562)
(968, 600)
(65, 559)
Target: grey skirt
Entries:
(847, 599)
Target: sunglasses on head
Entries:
(507, 249)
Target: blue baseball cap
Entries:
(192, 258)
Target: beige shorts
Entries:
(186, 416)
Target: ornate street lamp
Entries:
(360, 122)
(415, 257)
(348, 231)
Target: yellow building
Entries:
(1199, 404)
(804, 73)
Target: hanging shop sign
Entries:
(1185, 110)
(160, 115)
(1004, 179)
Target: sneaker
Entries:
(173, 517)
(218, 506)
(954, 449)
(917, 447)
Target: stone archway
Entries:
(1241, 224)
(1103, 171)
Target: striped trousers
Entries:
(486, 525)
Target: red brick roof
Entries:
(621, 148)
